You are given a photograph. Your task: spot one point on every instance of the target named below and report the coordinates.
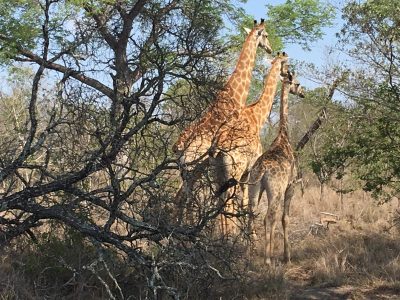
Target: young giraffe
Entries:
(239, 145)
(274, 172)
(195, 141)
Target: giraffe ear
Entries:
(248, 30)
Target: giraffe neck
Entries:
(284, 109)
(232, 97)
(262, 107)
(281, 140)
(238, 84)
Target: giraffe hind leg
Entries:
(272, 223)
(220, 166)
(285, 221)
(255, 192)
(274, 196)
(269, 232)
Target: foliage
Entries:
(300, 21)
(373, 18)
(371, 149)
(18, 23)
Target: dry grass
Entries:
(357, 258)
(50, 269)
(13, 284)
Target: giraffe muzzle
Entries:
(301, 93)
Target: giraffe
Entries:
(274, 172)
(195, 141)
(239, 145)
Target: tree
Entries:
(96, 156)
(300, 21)
(92, 150)
(329, 128)
(371, 149)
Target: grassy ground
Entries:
(356, 258)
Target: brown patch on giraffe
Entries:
(240, 90)
(237, 95)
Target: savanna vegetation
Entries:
(94, 94)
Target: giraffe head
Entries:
(284, 60)
(290, 77)
(295, 87)
(260, 35)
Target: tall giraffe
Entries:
(195, 141)
(239, 145)
(274, 172)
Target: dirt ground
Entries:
(344, 292)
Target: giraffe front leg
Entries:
(222, 217)
(244, 208)
(219, 178)
(223, 225)
(227, 224)
(182, 200)
(244, 188)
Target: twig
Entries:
(92, 269)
